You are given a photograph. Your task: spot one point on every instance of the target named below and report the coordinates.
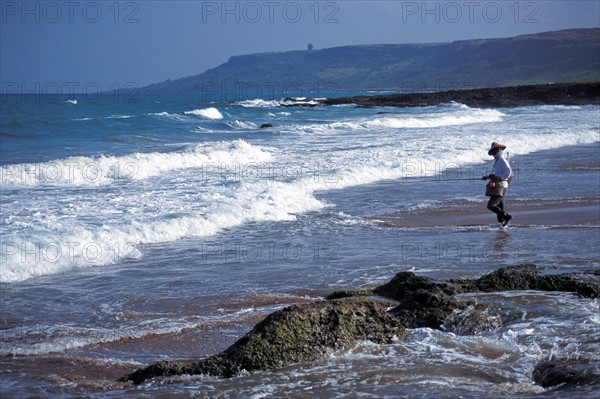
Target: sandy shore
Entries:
(556, 212)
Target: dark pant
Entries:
(496, 205)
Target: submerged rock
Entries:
(295, 334)
(474, 319)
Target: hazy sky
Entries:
(70, 44)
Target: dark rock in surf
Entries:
(567, 373)
(423, 302)
(426, 309)
(349, 294)
(528, 277)
(405, 284)
(295, 334)
(266, 125)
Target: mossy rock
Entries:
(299, 333)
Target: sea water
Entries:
(166, 226)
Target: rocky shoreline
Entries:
(308, 332)
(584, 93)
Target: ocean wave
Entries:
(245, 125)
(296, 101)
(74, 102)
(75, 244)
(114, 116)
(210, 113)
(258, 103)
(169, 116)
(288, 101)
(459, 115)
(88, 171)
(425, 156)
(186, 205)
(557, 107)
(471, 117)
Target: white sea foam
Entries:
(473, 116)
(210, 113)
(67, 227)
(55, 248)
(74, 102)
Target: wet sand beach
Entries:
(547, 213)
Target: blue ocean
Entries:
(163, 227)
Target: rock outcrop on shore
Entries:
(308, 332)
(493, 97)
(528, 277)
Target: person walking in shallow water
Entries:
(500, 178)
